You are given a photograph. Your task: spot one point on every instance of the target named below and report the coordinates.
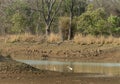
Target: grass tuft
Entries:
(54, 38)
(89, 39)
(24, 38)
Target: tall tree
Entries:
(49, 10)
(71, 7)
(75, 8)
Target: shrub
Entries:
(84, 40)
(114, 24)
(18, 22)
(64, 25)
(92, 22)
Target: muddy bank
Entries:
(65, 50)
(10, 66)
(10, 69)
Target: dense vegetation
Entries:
(95, 17)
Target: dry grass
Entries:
(31, 38)
(24, 38)
(54, 38)
(89, 39)
(2, 38)
(79, 38)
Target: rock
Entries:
(18, 78)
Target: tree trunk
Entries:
(71, 19)
(47, 30)
(70, 30)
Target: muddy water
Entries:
(108, 69)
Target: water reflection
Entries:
(112, 69)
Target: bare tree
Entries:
(116, 5)
(35, 6)
(49, 10)
(71, 7)
(111, 6)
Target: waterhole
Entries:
(107, 69)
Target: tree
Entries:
(93, 21)
(111, 6)
(19, 17)
(35, 7)
(74, 8)
(17, 14)
(71, 8)
(49, 10)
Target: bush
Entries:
(64, 25)
(114, 23)
(92, 22)
(19, 23)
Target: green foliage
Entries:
(114, 20)
(15, 18)
(92, 21)
(21, 18)
(96, 22)
(114, 24)
(19, 23)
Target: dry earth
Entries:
(12, 72)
